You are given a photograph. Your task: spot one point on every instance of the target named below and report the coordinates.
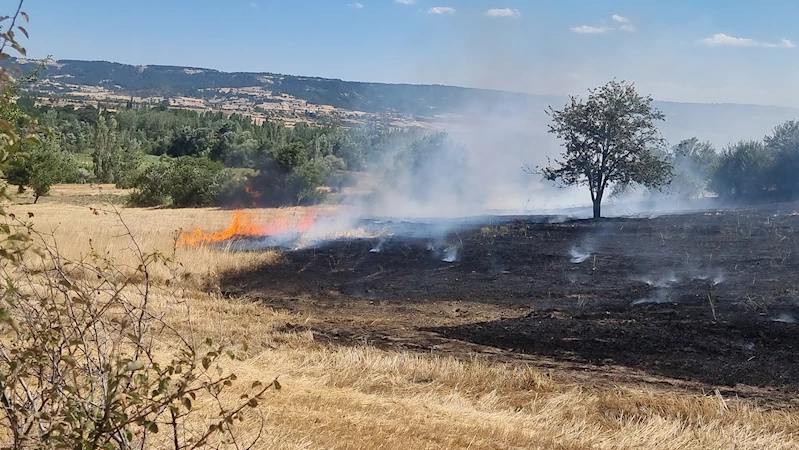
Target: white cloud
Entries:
(620, 19)
(721, 39)
(784, 43)
(355, 5)
(406, 2)
(586, 29)
(627, 27)
(441, 10)
(503, 12)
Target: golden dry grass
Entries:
(365, 398)
(79, 218)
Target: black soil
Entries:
(702, 300)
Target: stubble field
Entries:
(666, 333)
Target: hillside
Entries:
(207, 84)
(292, 98)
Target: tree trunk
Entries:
(597, 208)
(36, 199)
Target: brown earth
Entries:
(693, 302)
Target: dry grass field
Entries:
(360, 397)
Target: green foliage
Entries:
(743, 172)
(107, 155)
(287, 176)
(783, 145)
(610, 139)
(44, 164)
(190, 142)
(195, 182)
(151, 186)
(295, 161)
(129, 163)
(182, 182)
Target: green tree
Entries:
(286, 176)
(151, 186)
(743, 172)
(130, 160)
(610, 138)
(44, 164)
(195, 181)
(783, 144)
(107, 155)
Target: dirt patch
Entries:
(704, 300)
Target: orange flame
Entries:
(244, 225)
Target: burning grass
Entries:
(364, 398)
(245, 225)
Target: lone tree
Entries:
(610, 138)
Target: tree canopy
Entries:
(610, 138)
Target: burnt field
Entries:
(699, 301)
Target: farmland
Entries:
(671, 332)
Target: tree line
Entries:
(191, 159)
(188, 158)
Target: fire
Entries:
(244, 225)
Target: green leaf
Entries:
(187, 403)
(152, 427)
(277, 385)
(134, 365)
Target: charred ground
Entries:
(701, 300)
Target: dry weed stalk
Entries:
(77, 362)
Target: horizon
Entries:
(401, 83)
(711, 53)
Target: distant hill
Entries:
(170, 81)
(268, 95)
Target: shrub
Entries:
(195, 182)
(151, 187)
(184, 182)
(286, 176)
(44, 165)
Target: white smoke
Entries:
(579, 255)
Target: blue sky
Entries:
(681, 50)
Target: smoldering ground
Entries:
(725, 280)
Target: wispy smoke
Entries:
(450, 254)
(579, 255)
(784, 318)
